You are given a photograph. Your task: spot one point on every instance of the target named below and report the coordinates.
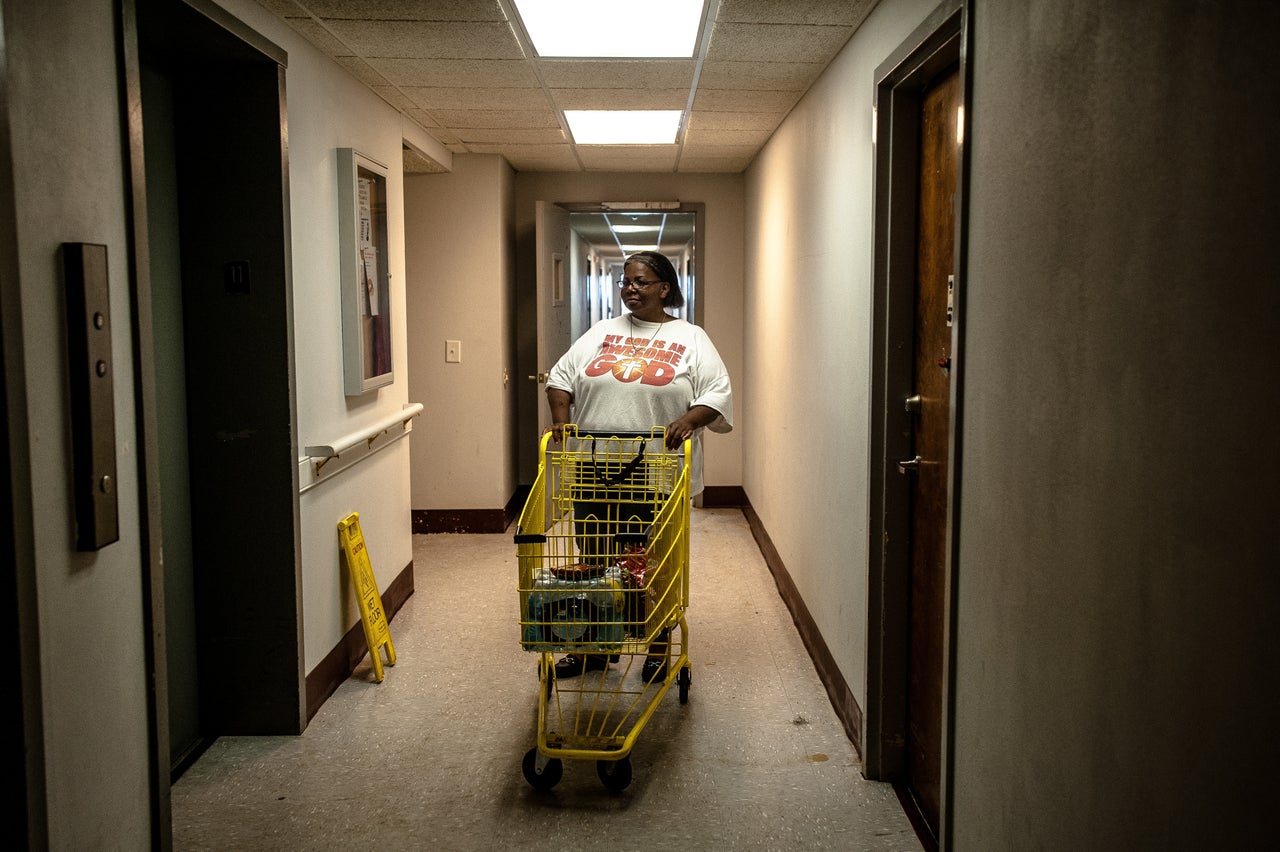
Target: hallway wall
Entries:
(808, 326)
(1118, 582)
(1116, 572)
(459, 267)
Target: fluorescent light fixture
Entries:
(612, 28)
(623, 126)
(632, 229)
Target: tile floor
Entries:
(431, 757)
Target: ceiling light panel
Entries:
(612, 28)
(623, 127)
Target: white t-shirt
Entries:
(630, 375)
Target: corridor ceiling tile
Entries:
(780, 76)
(776, 42)
(462, 70)
(283, 8)
(481, 97)
(747, 140)
(408, 10)
(705, 120)
(634, 158)
(745, 100)
(608, 99)
(396, 97)
(849, 13)
(362, 71)
(618, 74)
(427, 40)
(731, 165)
(712, 149)
(465, 73)
(461, 120)
(516, 136)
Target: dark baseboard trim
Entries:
(516, 504)
(459, 521)
(842, 698)
(470, 520)
(339, 663)
(723, 497)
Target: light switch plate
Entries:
(453, 351)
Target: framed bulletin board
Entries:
(365, 287)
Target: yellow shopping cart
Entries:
(603, 552)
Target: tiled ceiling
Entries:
(464, 70)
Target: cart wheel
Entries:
(684, 678)
(545, 779)
(614, 774)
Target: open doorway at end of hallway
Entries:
(607, 237)
(579, 251)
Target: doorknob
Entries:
(540, 378)
(912, 404)
(909, 465)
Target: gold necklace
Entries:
(637, 347)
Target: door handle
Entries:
(912, 404)
(539, 378)
(909, 465)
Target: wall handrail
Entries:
(323, 452)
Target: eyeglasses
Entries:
(638, 283)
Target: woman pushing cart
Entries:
(603, 539)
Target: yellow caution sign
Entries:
(376, 631)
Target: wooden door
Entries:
(930, 430)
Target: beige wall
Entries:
(470, 266)
(808, 327)
(458, 263)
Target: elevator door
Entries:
(213, 121)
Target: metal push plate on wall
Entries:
(93, 421)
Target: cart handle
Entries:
(624, 473)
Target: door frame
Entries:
(241, 706)
(942, 40)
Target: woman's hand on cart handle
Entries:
(695, 418)
(557, 432)
(560, 402)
